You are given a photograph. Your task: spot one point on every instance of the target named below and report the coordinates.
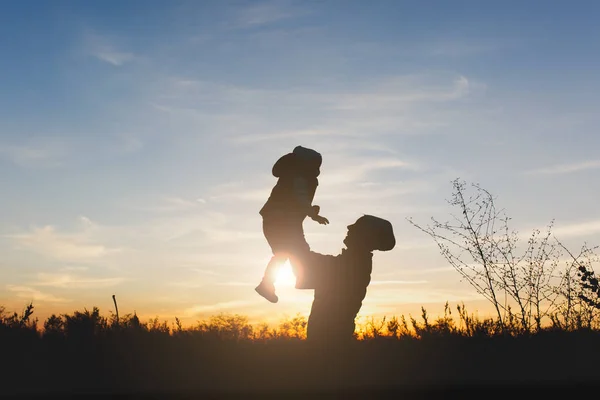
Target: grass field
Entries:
(85, 352)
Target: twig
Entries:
(116, 308)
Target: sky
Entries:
(137, 140)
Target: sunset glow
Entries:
(285, 276)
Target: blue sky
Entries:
(136, 140)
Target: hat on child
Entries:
(308, 154)
(379, 230)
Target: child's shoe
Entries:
(267, 290)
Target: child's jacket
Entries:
(294, 192)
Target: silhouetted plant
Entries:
(293, 327)
(579, 289)
(85, 324)
(177, 327)
(589, 282)
(224, 326)
(480, 246)
(19, 322)
(444, 326)
(374, 329)
(154, 325)
(134, 356)
(264, 332)
(393, 327)
(54, 326)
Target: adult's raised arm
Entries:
(312, 269)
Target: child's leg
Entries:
(274, 231)
(273, 267)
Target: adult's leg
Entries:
(330, 320)
(316, 327)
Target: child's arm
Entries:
(301, 191)
(316, 217)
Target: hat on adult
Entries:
(379, 231)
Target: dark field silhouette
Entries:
(223, 356)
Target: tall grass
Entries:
(236, 327)
(90, 352)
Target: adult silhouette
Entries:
(340, 282)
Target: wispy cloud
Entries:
(264, 12)
(233, 283)
(565, 168)
(361, 110)
(220, 307)
(128, 143)
(427, 271)
(66, 247)
(376, 190)
(284, 134)
(357, 169)
(68, 281)
(32, 294)
(102, 48)
(397, 282)
(43, 154)
(392, 93)
(577, 229)
(457, 48)
(173, 204)
(113, 57)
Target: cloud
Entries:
(38, 152)
(113, 57)
(188, 284)
(397, 282)
(243, 115)
(456, 48)
(101, 48)
(239, 191)
(71, 268)
(174, 204)
(264, 13)
(395, 92)
(220, 307)
(355, 169)
(71, 282)
(565, 168)
(233, 283)
(64, 247)
(284, 134)
(206, 272)
(31, 294)
(577, 229)
(427, 271)
(167, 204)
(376, 190)
(128, 144)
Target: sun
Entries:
(285, 276)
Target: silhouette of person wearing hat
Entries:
(340, 282)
